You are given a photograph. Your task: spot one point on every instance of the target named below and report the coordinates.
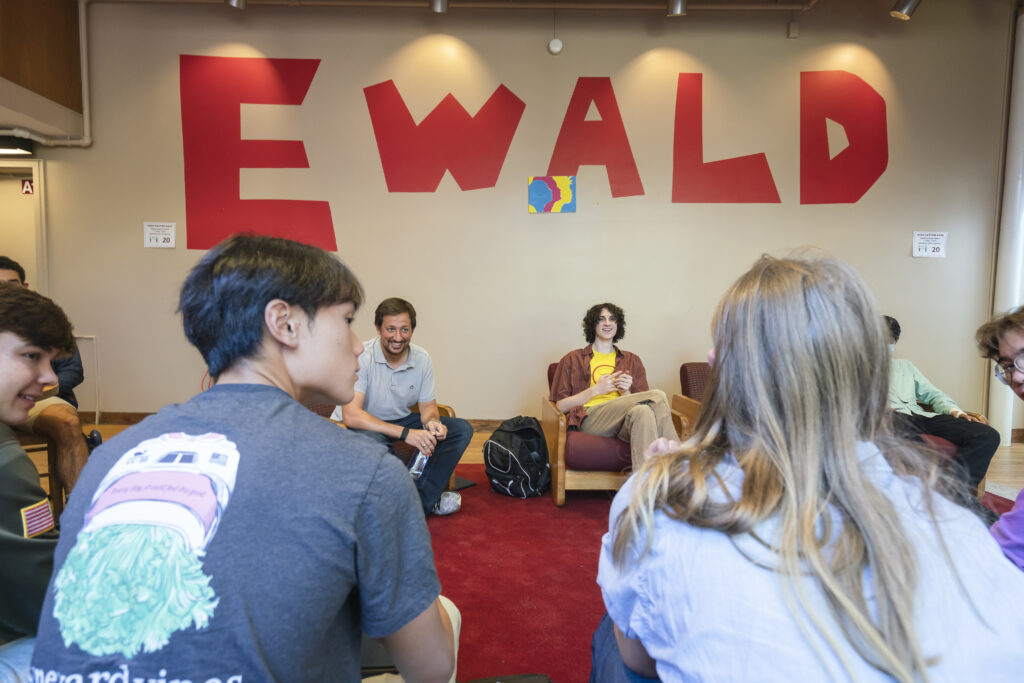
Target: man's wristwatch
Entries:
(405, 433)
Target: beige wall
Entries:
(501, 292)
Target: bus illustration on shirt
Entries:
(135, 575)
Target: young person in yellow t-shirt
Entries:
(603, 389)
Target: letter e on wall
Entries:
(212, 90)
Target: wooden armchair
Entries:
(694, 378)
(49, 476)
(684, 415)
(580, 461)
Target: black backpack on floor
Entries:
(516, 458)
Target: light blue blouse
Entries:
(707, 609)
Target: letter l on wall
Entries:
(741, 180)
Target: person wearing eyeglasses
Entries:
(975, 441)
(1002, 341)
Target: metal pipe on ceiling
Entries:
(575, 5)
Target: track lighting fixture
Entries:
(15, 146)
(903, 9)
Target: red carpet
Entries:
(523, 574)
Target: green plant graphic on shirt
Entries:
(127, 588)
(135, 576)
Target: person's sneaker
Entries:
(93, 439)
(450, 502)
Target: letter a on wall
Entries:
(212, 88)
(598, 143)
(845, 99)
(415, 157)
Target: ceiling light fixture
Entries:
(904, 9)
(439, 6)
(11, 145)
(237, 4)
(677, 8)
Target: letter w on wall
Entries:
(212, 88)
(415, 157)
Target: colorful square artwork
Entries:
(552, 194)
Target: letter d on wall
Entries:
(860, 110)
(212, 88)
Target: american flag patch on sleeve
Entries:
(35, 519)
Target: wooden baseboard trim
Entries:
(1017, 436)
(484, 426)
(89, 417)
(109, 418)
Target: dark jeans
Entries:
(441, 463)
(975, 442)
(606, 665)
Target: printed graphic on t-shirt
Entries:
(601, 364)
(600, 371)
(134, 576)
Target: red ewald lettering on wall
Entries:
(473, 147)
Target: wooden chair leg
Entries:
(57, 490)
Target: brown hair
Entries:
(394, 306)
(35, 318)
(989, 335)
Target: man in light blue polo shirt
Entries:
(394, 375)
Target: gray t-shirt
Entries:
(390, 393)
(235, 537)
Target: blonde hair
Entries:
(800, 377)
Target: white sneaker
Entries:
(450, 502)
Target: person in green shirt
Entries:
(975, 441)
(33, 332)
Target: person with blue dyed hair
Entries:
(239, 536)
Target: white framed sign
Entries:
(158, 235)
(929, 244)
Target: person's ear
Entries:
(282, 322)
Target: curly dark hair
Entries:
(594, 312)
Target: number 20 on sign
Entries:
(929, 244)
(158, 235)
